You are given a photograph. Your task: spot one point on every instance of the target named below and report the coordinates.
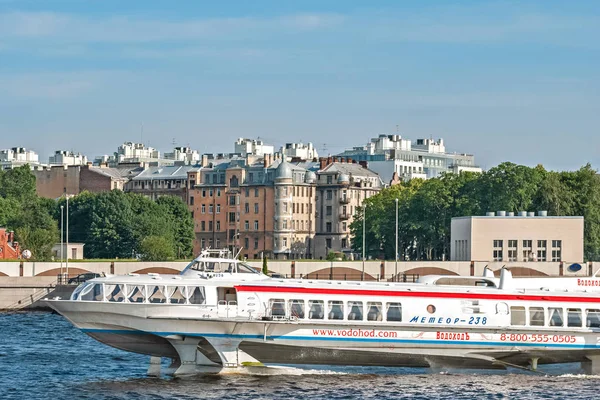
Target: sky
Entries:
(505, 81)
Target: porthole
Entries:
(431, 309)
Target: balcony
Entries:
(344, 200)
(345, 216)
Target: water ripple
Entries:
(43, 356)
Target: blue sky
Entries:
(506, 81)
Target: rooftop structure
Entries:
(17, 157)
(422, 158)
(252, 146)
(65, 157)
(299, 151)
(183, 154)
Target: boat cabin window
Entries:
(374, 311)
(196, 294)
(536, 316)
(316, 309)
(574, 317)
(223, 266)
(277, 307)
(176, 294)
(555, 316)
(115, 293)
(394, 312)
(156, 294)
(517, 315)
(355, 311)
(335, 309)
(136, 293)
(79, 289)
(297, 308)
(464, 281)
(227, 294)
(592, 319)
(93, 292)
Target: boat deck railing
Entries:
(352, 276)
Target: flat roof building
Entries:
(517, 238)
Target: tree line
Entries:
(111, 224)
(426, 207)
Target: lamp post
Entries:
(362, 276)
(61, 241)
(67, 259)
(396, 263)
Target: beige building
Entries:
(521, 238)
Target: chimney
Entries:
(329, 160)
(315, 159)
(349, 160)
(335, 159)
(363, 164)
(322, 163)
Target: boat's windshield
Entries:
(220, 266)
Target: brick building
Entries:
(9, 249)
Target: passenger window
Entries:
(157, 294)
(316, 309)
(536, 316)
(136, 293)
(555, 316)
(114, 293)
(355, 312)
(175, 294)
(574, 317)
(196, 294)
(335, 309)
(297, 308)
(593, 318)
(374, 311)
(394, 312)
(277, 307)
(517, 316)
(93, 293)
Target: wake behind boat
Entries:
(220, 313)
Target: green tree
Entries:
(183, 224)
(18, 184)
(156, 248)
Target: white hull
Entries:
(210, 344)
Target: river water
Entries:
(42, 356)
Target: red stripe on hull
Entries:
(390, 293)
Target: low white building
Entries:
(17, 157)
(517, 238)
(299, 151)
(184, 154)
(65, 157)
(252, 147)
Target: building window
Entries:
(218, 243)
(191, 200)
(285, 207)
(232, 217)
(203, 208)
(250, 179)
(284, 224)
(255, 225)
(328, 227)
(247, 191)
(328, 210)
(210, 208)
(329, 179)
(246, 243)
(256, 192)
(527, 250)
(497, 256)
(218, 195)
(210, 192)
(328, 243)
(232, 200)
(247, 225)
(218, 226)
(541, 252)
(202, 226)
(203, 192)
(284, 242)
(344, 243)
(556, 250)
(210, 226)
(512, 250)
(344, 226)
(329, 195)
(203, 243)
(255, 208)
(246, 208)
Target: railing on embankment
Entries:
(18, 295)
